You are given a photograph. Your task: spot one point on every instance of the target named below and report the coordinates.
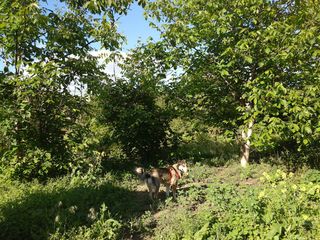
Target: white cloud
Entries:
(111, 61)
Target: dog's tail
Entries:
(147, 177)
(142, 174)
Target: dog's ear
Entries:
(182, 162)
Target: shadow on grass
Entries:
(38, 214)
(209, 152)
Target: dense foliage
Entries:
(48, 74)
(249, 69)
(226, 78)
(134, 105)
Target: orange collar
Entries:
(175, 172)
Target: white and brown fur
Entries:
(168, 176)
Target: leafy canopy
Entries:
(248, 61)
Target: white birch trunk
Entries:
(245, 148)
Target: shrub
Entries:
(139, 124)
(199, 142)
(36, 163)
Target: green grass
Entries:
(260, 202)
(34, 210)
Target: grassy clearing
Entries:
(261, 202)
(36, 211)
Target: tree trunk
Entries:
(245, 148)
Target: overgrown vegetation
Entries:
(227, 80)
(278, 205)
(251, 76)
(261, 202)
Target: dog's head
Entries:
(182, 167)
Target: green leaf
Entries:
(275, 231)
(307, 129)
(224, 73)
(267, 50)
(248, 59)
(295, 128)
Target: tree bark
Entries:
(245, 148)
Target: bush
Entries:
(199, 142)
(36, 163)
(139, 124)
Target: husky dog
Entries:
(168, 176)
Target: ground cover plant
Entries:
(262, 202)
(277, 205)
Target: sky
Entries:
(135, 27)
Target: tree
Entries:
(134, 105)
(254, 65)
(44, 52)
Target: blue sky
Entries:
(135, 27)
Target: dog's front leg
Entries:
(174, 191)
(151, 195)
(167, 190)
